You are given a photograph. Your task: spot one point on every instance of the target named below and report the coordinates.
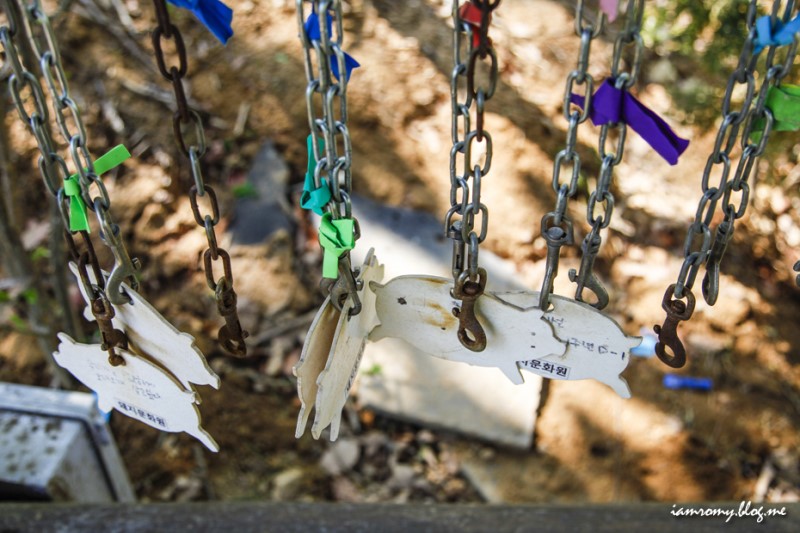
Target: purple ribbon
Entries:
(610, 104)
(215, 15)
(313, 33)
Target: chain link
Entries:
(326, 99)
(467, 220)
(699, 247)
(556, 227)
(189, 134)
(629, 37)
(52, 166)
(43, 43)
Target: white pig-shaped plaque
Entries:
(150, 334)
(419, 310)
(316, 349)
(590, 345)
(138, 389)
(341, 368)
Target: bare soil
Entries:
(738, 441)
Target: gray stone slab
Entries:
(55, 445)
(400, 381)
(268, 211)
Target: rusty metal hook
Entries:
(112, 338)
(343, 287)
(125, 268)
(231, 336)
(677, 311)
(470, 331)
(586, 278)
(555, 236)
(711, 279)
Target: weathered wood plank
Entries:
(303, 517)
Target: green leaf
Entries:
(30, 295)
(244, 190)
(41, 252)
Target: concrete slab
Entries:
(397, 380)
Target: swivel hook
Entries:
(677, 311)
(711, 279)
(125, 268)
(470, 331)
(345, 286)
(556, 237)
(231, 336)
(586, 278)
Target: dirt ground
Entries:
(738, 441)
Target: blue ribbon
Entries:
(314, 34)
(782, 34)
(610, 105)
(215, 15)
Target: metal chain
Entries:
(45, 48)
(467, 220)
(699, 247)
(324, 94)
(556, 225)
(628, 37)
(231, 335)
(52, 166)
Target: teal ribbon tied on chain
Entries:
(336, 237)
(314, 198)
(214, 15)
(779, 35)
(784, 103)
(78, 213)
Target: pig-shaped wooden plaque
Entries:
(151, 334)
(138, 388)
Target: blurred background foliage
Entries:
(692, 33)
(697, 44)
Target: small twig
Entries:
(109, 109)
(241, 119)
(202, 471)
(89, 10)
(124, 16)
(285, 327)
(154, 92)
(764, 480)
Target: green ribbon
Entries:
(78, 212)
(784, 102)
(314, 198)
(336, 237)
